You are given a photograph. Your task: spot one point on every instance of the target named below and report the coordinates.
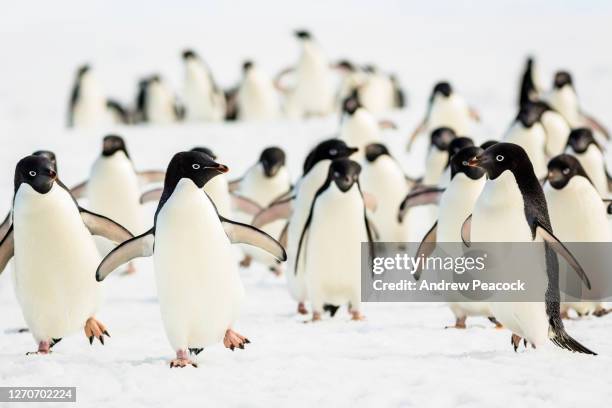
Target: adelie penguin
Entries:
(50, 238)
(512, 208)
(156, 103)
(330, 241)
(204, 100)
(577, 214)
(296, 208)
(199, 288)
(88, 105)
(256, 99)
(531, 86)
(358, 126)
(582, 144)
(437, 155)
(113, 187)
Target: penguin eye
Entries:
(565, 171)
(337, 175)
(499, 158)
(195, 166)
(465, 163)
(32, 173)
(333, 152)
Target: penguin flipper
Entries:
(277, 211)
(596, 125)
(425, 196)
(151, 195)
(240, 233)
(151, 176)
(79, 190)
(426, 247)
(137, 247)
(245, 205)
(234, 184)
(6, 224)
(560, 249)
(104, 227)
(7, 248)
(466, 231)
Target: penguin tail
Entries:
(563, 340)
(332, 309)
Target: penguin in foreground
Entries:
(257, 98)
(204, 100)
(55, 256)
(199, 288)
(577, 214)
(582, 144)
(88, 106)
(330, 241)
(512, 208)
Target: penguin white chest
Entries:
(533, 140)
(434, 166)
(55, 263)
(456, 204)
(450, 112)
(200, 291)
(218, 191)
(593, 163)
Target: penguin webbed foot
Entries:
(182, 360)
(357, 316)
(301, 309)
(515, 340)
(233, 340)
(601, 312)
(94, 328)
(246, 261)
(459, 323)
(497, 324)
(44, 347)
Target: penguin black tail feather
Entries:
(565, 341)
(332, 309)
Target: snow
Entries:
(400, 355)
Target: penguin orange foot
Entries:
(182, 360)
(515, 340)
(233, 340)
(44, 347)
(301, 309)
(356, 315)
(601, 312)
(94, 328)
(497, 324)
(459, 323)
(246, 261)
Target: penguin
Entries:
(257, 98)
(437, 155)
(55, 255)
(262, 183)
(556, 127)
(531, 87)
(155, 102)
(577, 213)
(296, 208)
(527, 131)
(456, 203)
(383, 177)
(454, 146)
(88, 106)
(312, 93)
(380, 92)
(204, 100)
(113, 187)
(330, 240)
(512, 208)
(582, 144)
(563, 99)
(448, 109)
(199, 288)
(358, 128)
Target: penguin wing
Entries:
(277, 211)
(151, 176)
(79, 190)
(137, 247)
(105, 227)
(466, 231)
(151, 195)
(245, 205)
(426, 247)
(240, 233)
(387, 124)
(428, 195)
(560, 249)
(234, 184)
(283, 237)
(7, 249)
(596, 125)
(6, 224)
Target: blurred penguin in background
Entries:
(155, 102)
(582, 144)
(204, 100)
(358, 128)
(257, 99)
(531, 87)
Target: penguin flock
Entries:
(352, 190)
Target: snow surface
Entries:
(400, 355)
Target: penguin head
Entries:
(345, 66)
(206, 151)
(374, 150)
(460, 162)
(562, 168)
(562, 78)
(369, 68)
(247, 65)
(580, 139)
(112, 144)
(351, 104)
(189, 54)
(327, 150)
(529, 115)
(501, 157)
(457, 144)
(195, 166)
(82, 70)
(344, 173)
(37, 171)
(441, 88)
(488, 144)
(302, 35)
(272, 159)
(441, 138)
(49, 155)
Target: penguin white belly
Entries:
(200, 292)
(113, 191)
(257, 100)
(201, 100)
(533, 140)
(90, 111)
(332, 251)
(451, 112)
(434, 166)
(557, 132)
(313, 93)
(526, 319)
(565, 102)
(160, 105)
(377, 94)
(593, 163)
(55, 263)
(218, 191)
(359, 130)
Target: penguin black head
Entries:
(82, 70)
(369, 68)
(501, 157)
(442, 88)
(303, 34)
(460, 162)
(327, 150)
(49, 155)
(247, 65)
(562, 78)
(441, 138)
(155, 78)
(580, 139)
(206, 151)
(351, 104)
(37, 171)
(195, 166)
(457, 144)
(345, 65)
(529, 115)
(562, 168)
(189, 54)
(112, 144)
(344, 172)
(272, 159)
(374, 150)
(488, 144)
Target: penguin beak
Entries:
(221, 168)
(475, 161)
(554, 176)
(53, 175)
